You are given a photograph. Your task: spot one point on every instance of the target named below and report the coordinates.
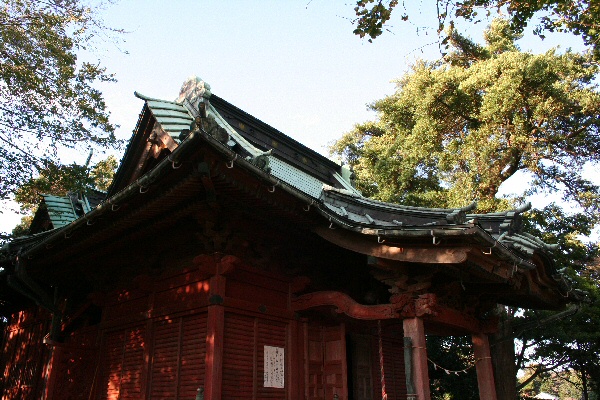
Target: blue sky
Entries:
(295, 65)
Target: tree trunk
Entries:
(584, 384)
(503, 358)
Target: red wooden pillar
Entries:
(50, 373)
(214, 341)
(216, 266)
(413, 328)
(483, 365)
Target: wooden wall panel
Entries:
(179, 348)
(122, 361)
(393, 356)
(238, 357)
(25, 356)
(269, 333)
(165, 359)
(193, 353)
(243, 356)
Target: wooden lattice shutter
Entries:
(122, 364)
(24, 357)
(238, 357)
(245, 338)
(395, 379)
(179, 350)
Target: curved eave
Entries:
(373, 232)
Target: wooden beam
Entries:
(366, 244)
(346, 305)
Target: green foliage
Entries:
(453, 374)
(372, 17)
(574, 342)
(49, 101)
(579, 17)
(455, 130)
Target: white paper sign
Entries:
(274, 367)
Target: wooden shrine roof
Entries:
(172, 157)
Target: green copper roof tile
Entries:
(60, 210)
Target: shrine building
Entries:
(228, 261)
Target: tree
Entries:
(49, 101)
(59, 181)
(549, 345)
(457, 129)
(580, 17)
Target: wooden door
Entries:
(326, 363)
(361, 347)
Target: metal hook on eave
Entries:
(436, 240)
(115, 207)
(331, 223)
(380, 240)
(489, 251)
(515, 269)
(229, 164)
(272, 188)
(307, 208)
(143, 189)
(68, 235)
(173, 162)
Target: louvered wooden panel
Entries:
(178, 363)
(32, 369)
(245, 338)
(122, 362)
(133, 361)
(393, 351)
(269, 333)
(193, 354)
(24, 358)
(238, 357)
(165, 359)
(112, 360)
(393, 356)
(8, 357)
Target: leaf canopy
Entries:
(50, 99)
(456, 129)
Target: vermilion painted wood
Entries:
(483, 365)
(214, 352)
(413, 328)
(214, 341)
